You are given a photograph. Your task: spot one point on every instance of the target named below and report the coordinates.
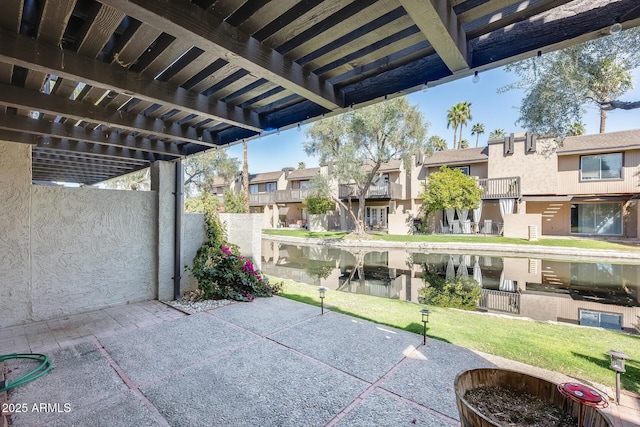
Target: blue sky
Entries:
(495, 111)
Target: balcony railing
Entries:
(500, 188)
(292, 195)
(508, 302)
(278, 196)
(261, 199)
(385, 191)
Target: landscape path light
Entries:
(617, 364)
(322, 290)
(425, 320)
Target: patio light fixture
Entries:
(425, 320)
(617, 364)
(476, 77)
(322, 290)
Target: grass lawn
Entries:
(440, 238)
(571, 350)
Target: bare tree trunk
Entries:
(361, 202)
(245, 178)
(477, 138)
(603, 119)
(345, 207)
(460, 139)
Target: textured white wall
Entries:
(245, 230)
(91, 248)
(15, 187)
(163, 182)
(193, 235)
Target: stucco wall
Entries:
(163, 182)
(193, 235)
(245, 230)
(517, 225)
(537, 172)
(15, 188)
(90, 248)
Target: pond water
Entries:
(579, 292)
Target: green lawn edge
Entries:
(581, 243)
(576, 351)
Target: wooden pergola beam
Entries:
(17, 97)
(186, 21)
(79, 133)
(60, 144)
(440, 25)
(42, 57)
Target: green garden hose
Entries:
(45, 366)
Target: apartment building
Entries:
(585, 186)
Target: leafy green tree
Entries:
(576, 129)
(477, 130)
(234, 202)
(201, 170)
(497, 134)
(206, 202)
(354, 145)
(301, 165)
(560, 85)
(449, 189)
(464, 143)
(438, 143)
(137, 181)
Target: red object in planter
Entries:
(584, 395)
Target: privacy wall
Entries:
(90, 248)
(70, 250)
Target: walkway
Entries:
(270, 362)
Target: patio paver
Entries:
(270, 362)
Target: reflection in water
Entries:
(593, 294)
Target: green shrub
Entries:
(318, 205)
(221, 271)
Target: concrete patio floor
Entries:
(270, 362)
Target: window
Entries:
(599, 319)
(601, 166)
(596, 218)
(271, 187)
(253, 189)
(305, 184)
(465, 169)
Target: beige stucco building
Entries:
(584, 186)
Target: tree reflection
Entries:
(460, 292)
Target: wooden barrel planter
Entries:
(517, 382)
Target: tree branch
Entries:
(620, 105)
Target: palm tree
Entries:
(458, 115)
(497, 134)
(477, 130)
(576, 129)
(464, 143)
(437, 143)
(465, 116)
(452, 120)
